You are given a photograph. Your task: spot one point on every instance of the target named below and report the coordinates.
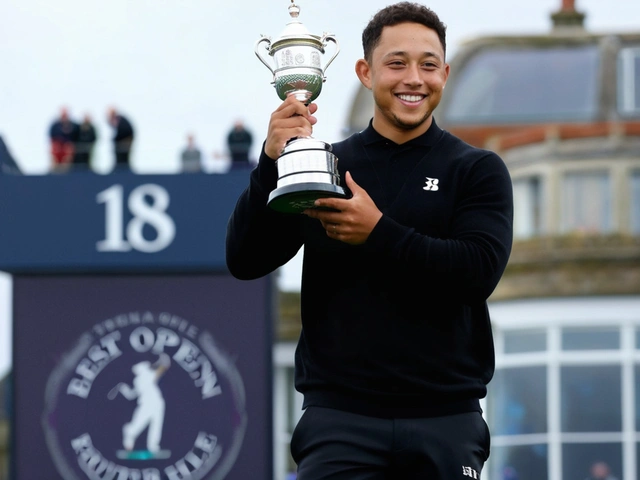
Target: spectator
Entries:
(191, 157)
(122, 139)
(84, 146)
(239, 141)
(63, 135)
(600, 471)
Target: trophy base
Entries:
(297, 197)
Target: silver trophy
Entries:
(307, 170)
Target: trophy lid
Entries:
(296, 33)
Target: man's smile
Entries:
(410, 98)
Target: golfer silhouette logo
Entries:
(149, 412)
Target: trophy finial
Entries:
(294, 10)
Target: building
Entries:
(563, 111)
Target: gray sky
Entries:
(179, 66)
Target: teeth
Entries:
(410, 98)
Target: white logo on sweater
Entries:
(431, 184)
(470, 472)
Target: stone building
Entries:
(563, 111)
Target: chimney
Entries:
(568, 16)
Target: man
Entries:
(150, 408)
(191, 156)
(63, 134)
(122, 138)
(396, 346)
(87, 138)
(601, 471)
(239, 141)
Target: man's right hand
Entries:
(292, 119)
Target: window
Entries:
(518, 463)
(565, 396)
(518, 405)
(527, 206)
(522, 341)
(591, 398)
(586, 203)
(526, 84)
(635, 202)
(591, 339)
(579, 460)
(629, 81)
(636, 378)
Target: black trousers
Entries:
(337, 445)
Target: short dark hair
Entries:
(401, 13)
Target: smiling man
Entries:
(396, 348)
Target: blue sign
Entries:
(85, 222)
(137, 356)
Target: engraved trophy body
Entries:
(307, 169)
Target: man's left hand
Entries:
(354, 219)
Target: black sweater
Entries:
(398, 326)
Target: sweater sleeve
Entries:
(259, 239)
(473, 256)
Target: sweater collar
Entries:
(429, 138)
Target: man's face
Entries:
(406, 74)
(600, 470)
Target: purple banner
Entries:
(142, 377)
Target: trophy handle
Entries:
(331, 38)
(266, 64)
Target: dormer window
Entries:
(516, 84)
(629, 81)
